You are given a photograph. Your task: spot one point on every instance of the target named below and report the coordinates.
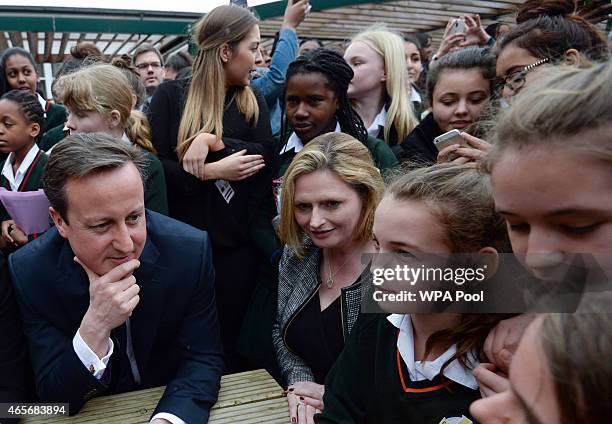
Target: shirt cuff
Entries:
(170, 417)
(88, 357)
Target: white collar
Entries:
(125, 139)
(415, 96)
(427, 370)
(379, 121)
(294, 142)
(15, 180)
(43, 104)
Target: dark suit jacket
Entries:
(174, 327)
(13, 354)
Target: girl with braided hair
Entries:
(21, 73)
(21, 122)
(316, 102)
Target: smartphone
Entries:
(458, 26)
(448, 139)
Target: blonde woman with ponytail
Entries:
(99, 98)
(214, 127)
(380, 89)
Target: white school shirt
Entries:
(16, 179)
(379, 121)
(427, 370)
(294, 142)
(415, 96)
(43, 103)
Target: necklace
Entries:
(329, 282)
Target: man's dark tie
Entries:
(130, 352)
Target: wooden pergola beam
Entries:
(3, 41)
(16, 39)
(110, 42)
(140, 43)
(62, 48)
(33, 43)
(48, 46)
(127, 40)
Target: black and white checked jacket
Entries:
(298, 280)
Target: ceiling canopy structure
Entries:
(49, 32)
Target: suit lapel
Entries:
(72, 285)
(145, 318)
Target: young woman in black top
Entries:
(417, 367)
(218, 191)
(459, 89)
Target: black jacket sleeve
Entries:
(260, 136)
(13, 354)
(418, 147)
(60, 374)
(165, 117)
(195, 386)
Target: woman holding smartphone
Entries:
(459, 89)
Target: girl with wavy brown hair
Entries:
(417, 367)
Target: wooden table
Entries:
(245, 398)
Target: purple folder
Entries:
(29, 209)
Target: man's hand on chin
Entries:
(112, 298)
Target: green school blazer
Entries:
(383, 156)
(32, 181)
(56, 115)
(156, 198)
(52, 137)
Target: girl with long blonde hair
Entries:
(380, 89)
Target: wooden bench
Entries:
(248, 397)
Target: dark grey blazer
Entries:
(298, 280)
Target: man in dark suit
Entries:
(114, 298)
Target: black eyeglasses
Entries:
(516, 80)
(145, 65)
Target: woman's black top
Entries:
(200, 203)
(316, 336)
(419, 147)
